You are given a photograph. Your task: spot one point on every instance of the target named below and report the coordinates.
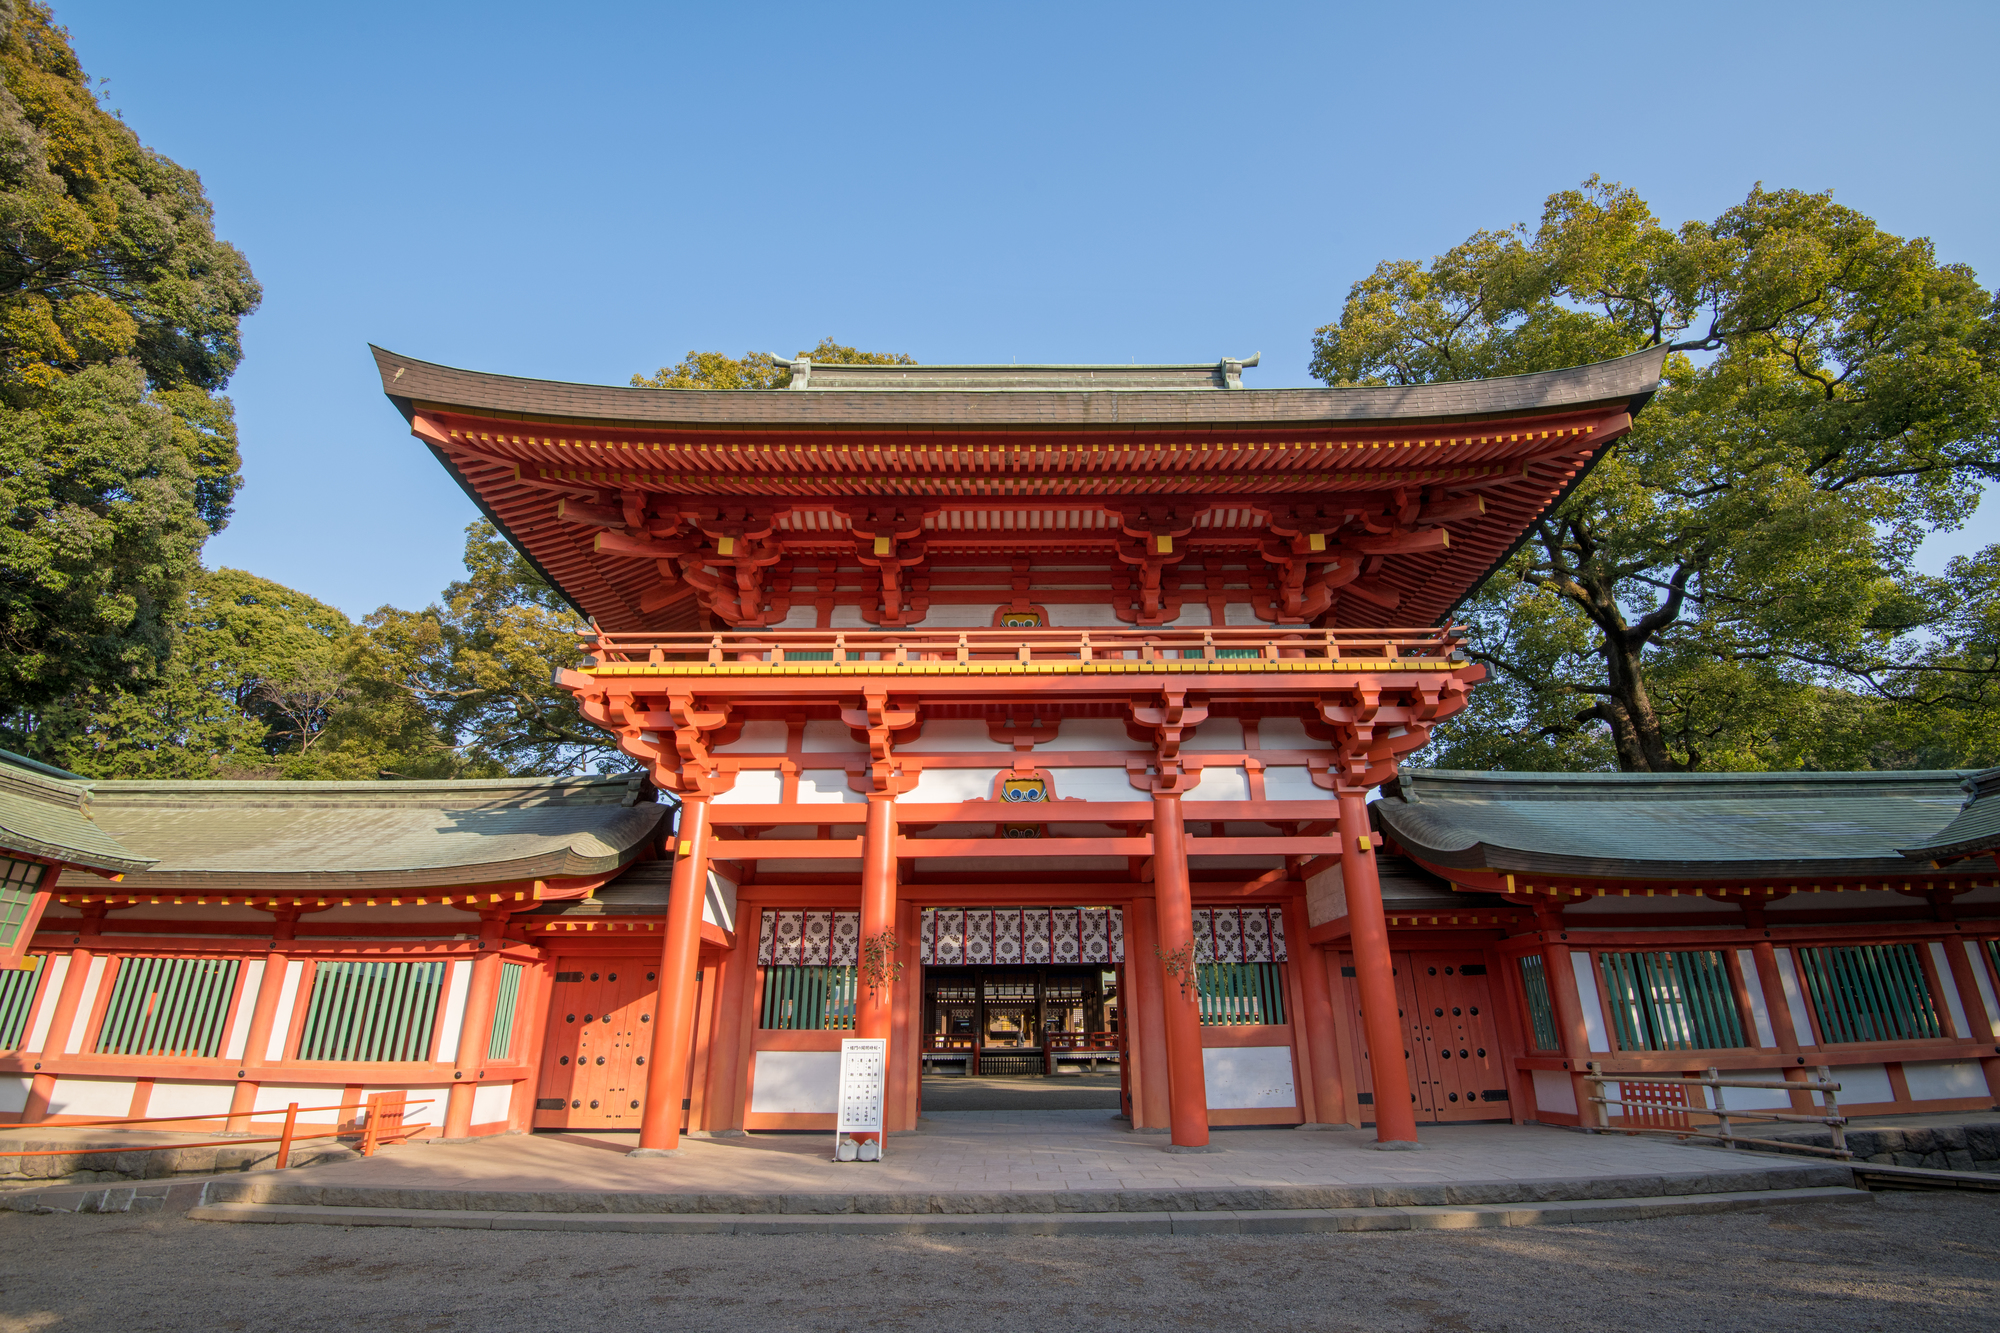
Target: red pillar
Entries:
(1187, 1082)
(1308, 965)
(905, 1045)
(725, 1060)
(56, 1045)
(475, 1031)
(875, 1007)
(1395, 1117)
(263, 1014)
(1560, 970)
(1974, 1004)
(674, 1007)
(1145, 1018)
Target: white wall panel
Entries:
(943, 786)
(1220, 782)
(1954, 1002)
(796, 1083)
(1294, 783)
(45, 1005)
(1586, 995)
(205, 1099)
(1935, 1080)
(1218, 733)
(246, 1010)
(755, 786)
(456, 987)
(764, 736)
(1554, 1092)
(107, 1097)
(954, 735)
(14, 1090)
(830, 737)
(1863, 1083)
(1249, 1077)
(1752, 982)
(79, 1027)
(491, 1102)
(827, 786)
(281, 1022)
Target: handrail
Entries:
(284, 1139)
(1822, 1083)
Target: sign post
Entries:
(864, 1064)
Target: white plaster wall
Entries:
(803, 615)
(755, 786)
(1949, 984)
(796, 1083)
(1096, 784)
(203, 1099)
(1754, 1099)
(718, 908)
(1286, 733)
(14, 1092)
(827, 786)
(964, 615)
(1986, 997)
(1752, 982)
(45, 1005)
(1221, 783)
(1553, 1091)
(1093, 733)
(80, 1026)
(491, 1102)
(848, 617)
(1863, 1083)
(1935, 1080)
(275, 1097)
(1218, 733)
(281, 1022)
(944, 785)
(954, 735)
(764, 736)
(1326, 896)
(246, 1009)
(1294, 783)
(1586, 995)
(830, 737)
(108, 1097)
(1079, 615)
(1795, 1000)
(1239, 613)
(1246, 1077)
(456, 987)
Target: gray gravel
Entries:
(1913, 1262)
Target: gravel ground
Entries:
(1913, 1262)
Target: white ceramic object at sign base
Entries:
(845, 1150)
(871, 1151)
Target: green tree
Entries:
(1733, 586)
(119, 312)
(757, 370)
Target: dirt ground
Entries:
(1912, 1262)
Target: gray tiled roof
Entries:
(42, 814)
(1975, 830)
(1627, 379)
(300, 836)
(1670, 826)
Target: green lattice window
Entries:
(1541, 1010)
(1869, 992)
(167, 1006)
(1241, 994)
(809, 999)
(504, 1002)
(18, 882)
(1672, 1001)
(17, 997)
(372, 1011)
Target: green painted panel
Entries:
(18, 883)
(1241, 994)
(1541, 1010)
(1869, 992)
(809, 999)
(17, 997)
(502, 1035)
(167, 1006)
(372, 1012)
(1679, 1000)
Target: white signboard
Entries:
(864, 1064)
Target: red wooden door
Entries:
(1451, 1050)
(600, 1028)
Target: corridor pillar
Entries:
(475, 1032)
(875, 990)
(674, 1003)
(263, 1016)
(1187, 1082)
(1395, 1115)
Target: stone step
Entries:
(1886, 1177)
(1203, 1223)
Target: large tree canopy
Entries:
(119, 311)
(757, 370)
(1733, 587)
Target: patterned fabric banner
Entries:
(809, 939)
(953, 936)
(1239, 935)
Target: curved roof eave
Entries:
(408, 382)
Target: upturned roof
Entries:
(1665, 826)
(46, 812)
(358, 836)
(1975, 830)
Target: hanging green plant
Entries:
(880, 967)
(1182, 968)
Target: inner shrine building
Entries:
(1030, 718)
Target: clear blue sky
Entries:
(585, 191)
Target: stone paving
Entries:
(1026, 1152)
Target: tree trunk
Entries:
(1635, 727)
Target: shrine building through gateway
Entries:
(1026, 718)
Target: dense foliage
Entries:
(119, 311)
(757, 370)
(1733, 587)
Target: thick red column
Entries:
(720, 1115)
(475, 1031)
(674, 1005)
(1317, 1021)
(263, 1015)
(1559, 969)
(56, 1044)
(1144, 1018)
(1187, 1082)
(875, 1007)
(1395, 1116)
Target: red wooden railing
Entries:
(384, 1124)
